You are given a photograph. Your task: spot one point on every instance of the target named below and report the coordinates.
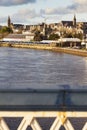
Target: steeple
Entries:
(9, 21)
(74, 21)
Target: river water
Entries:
(29, 68)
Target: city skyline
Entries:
(38, 11)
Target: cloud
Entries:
(15, 2)
(79, 6)
(3, 20)
(55, 11)
(81, 1)
(24, 16)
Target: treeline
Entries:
(39, 36)
(4, 31)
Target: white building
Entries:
(19, 37)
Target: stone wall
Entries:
(51, 47)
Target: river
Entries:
(28, 68)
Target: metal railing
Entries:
(31, 104)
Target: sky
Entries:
(29, 12)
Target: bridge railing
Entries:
(30, 104)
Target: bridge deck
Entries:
(43, 100)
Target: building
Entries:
(17, 28)
(69, 42)
(9, 21)
(69, 23)
(83, 26)
(47, 29)
(19, 38)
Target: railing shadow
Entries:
(65, 99)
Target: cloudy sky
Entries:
(37, 11)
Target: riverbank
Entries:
(50, 47)
(77, 52)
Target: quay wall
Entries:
(51, 47)
(77, 52)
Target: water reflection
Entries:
(25, 68)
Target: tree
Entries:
(53, 37)
(6, 29)
(78, 35)
(38, 36)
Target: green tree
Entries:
(38, 36)
(53, 37)
(6, 29)
(78, 35)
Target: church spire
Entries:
(9, 21)
(74, 21)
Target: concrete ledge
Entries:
(43, 100)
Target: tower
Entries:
(74, 21)
(9, 21)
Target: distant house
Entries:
(48, 41)
(19, 37)
(69, 42)
(67, 23)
